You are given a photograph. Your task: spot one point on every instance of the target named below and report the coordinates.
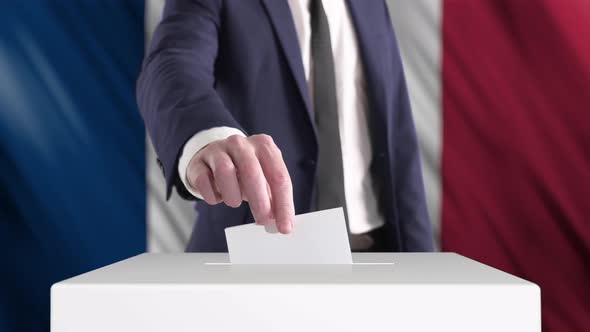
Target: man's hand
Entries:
(245, 168)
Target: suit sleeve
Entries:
(175, 90)
(410, 198)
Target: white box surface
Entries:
(380, 292)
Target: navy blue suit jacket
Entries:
(237, 63)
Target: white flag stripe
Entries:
(417, 24)
(169, 224)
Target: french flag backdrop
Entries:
(500, 95)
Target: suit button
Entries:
(307, 164)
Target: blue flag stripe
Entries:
(72, 170)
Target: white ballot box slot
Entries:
(379, 292)
(353, 263)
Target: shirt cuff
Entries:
(195, 144)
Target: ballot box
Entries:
(379, 292)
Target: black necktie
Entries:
(330, 177)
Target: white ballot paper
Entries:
(317, 238)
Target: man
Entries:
(277, 107)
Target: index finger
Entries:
(279, 181)
(251, 179)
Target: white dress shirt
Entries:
(357, 152)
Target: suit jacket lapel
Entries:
(371, 41)
(282, 21)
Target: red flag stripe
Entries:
(516, 145)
